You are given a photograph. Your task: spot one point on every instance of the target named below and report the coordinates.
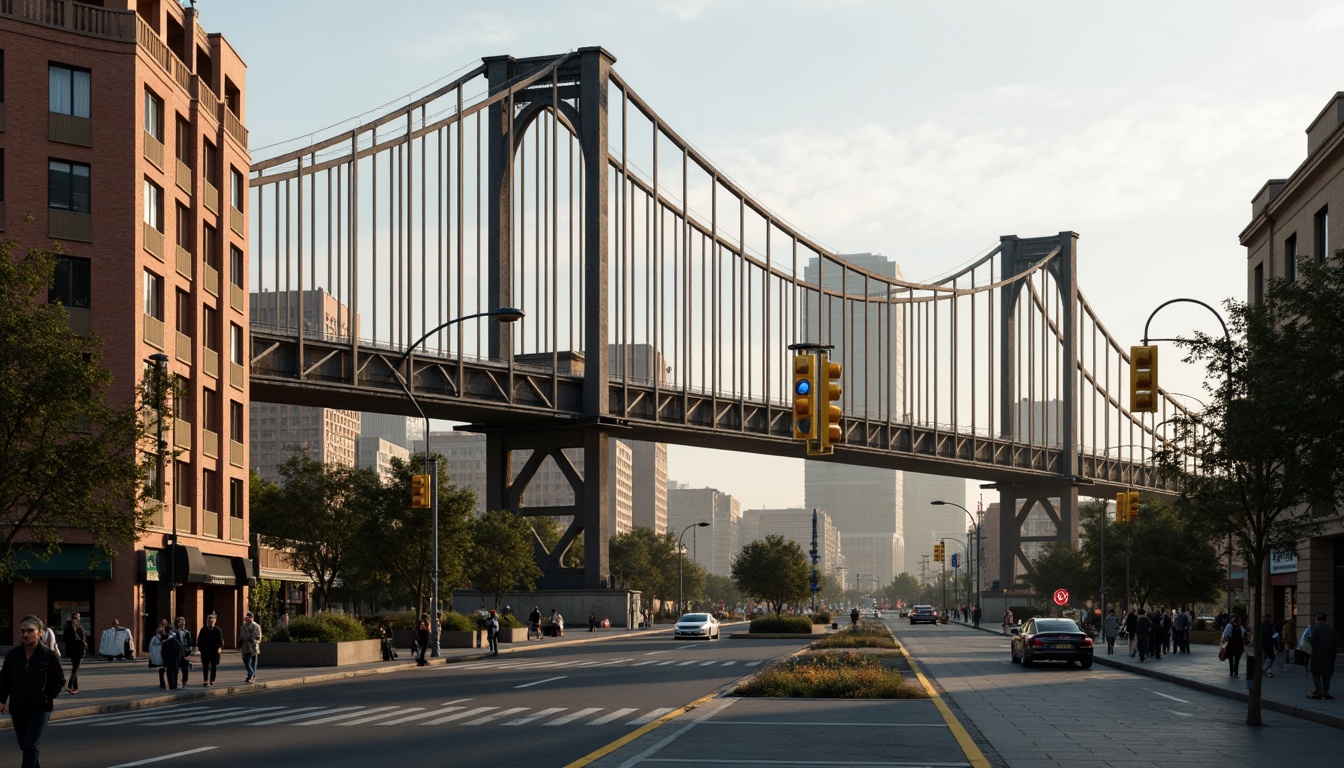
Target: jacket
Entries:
(1235, 637)
(1324, 646)
(1111, 626)
(156, 651)
(31, 685)
(249, 638)
(210, 641)
(171, 649)
(76, 644)
(115, 641)
(491, 626)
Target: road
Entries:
(1056, 715)
(546, 707)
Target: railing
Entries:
(153, 240)
(182, 348)
(234, 127)
(210, 443)
(69, 225)
(210, 524)
(157, 517)
(237, 376)
(152, 44)
(237, 299)
(184, 262)
(154, 331)
(182, 434)
(68, 129)
(182, 518)
(153, 150)
(210, 363)
(73, 17)
(235, 528)
(211, 197)
(236, 219)
(81, 320)
(183, 177)
(235, 453)
(209, 102)
(211, 280)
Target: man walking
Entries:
(76, 645)
(975, 616)
(1324, 645)
(30, 681)
(249, 641)
(1007, 620)
(209, 643)
(534, 622)
(492, 632)
(1144, 628)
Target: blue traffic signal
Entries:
(803, 387)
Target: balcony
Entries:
(210, 444)
(153, 240)
(153, 150)
(212, 280)
(235, 528)
(182, 434)
(157, 514)
(211, 197)
(183, 177)
(210, 524)
(236, 220)
(183, 262)
(182, 518)
(153, 331)
(210, 363)
(237, 376)
(234, 127)
(237, 299)
(68, 129)
(182, 348)
(235, 453)
(81, 320)
(69, 225)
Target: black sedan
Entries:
(1051, 640)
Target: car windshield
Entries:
(923, 607)
(695, 618)
(1056, 625)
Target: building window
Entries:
(182, 495)
(184, 314)
(1258, 288)
(236, 421)
(69, 90)
(68, 186)
(236, 263)
(71, 287)
(183, 228)
(1323, 235)
(153, 205)
(209, 489)
(153, 295)
(210, 410)
(236, 496)
(1290, 258)
(210, 329)
(183, 143)
(153, 115)
(237, 188)
(235, 344)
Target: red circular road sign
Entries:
(1061, 597)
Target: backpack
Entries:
(1145, 625)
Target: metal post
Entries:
(160, 362)
(681, 599)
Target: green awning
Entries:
(74, 561)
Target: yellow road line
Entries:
(968, 747)
(592, 757)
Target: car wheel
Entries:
(1012, 654)
(1026, 660)
(1085, 663)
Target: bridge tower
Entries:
(1031, 414)
(577, 97)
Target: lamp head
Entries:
(507, 314)
(938, 503)
(159, 358)
(702, 525)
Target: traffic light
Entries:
(937, 553)
(420, 492)
(804, 397)
(828, 392)
(1133, 507)
(1122, 507)
(956, 559)
(1143, 379)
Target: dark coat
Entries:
(1324, 647)
(1235, 637)
(209, 641)
(31, 685)
(172, 650)
(75, 641)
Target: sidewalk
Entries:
(116, 686)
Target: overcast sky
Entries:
(922, 131)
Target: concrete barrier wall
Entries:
(320, 654)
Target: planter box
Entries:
(1205, 636)
(320, 654)
(516, 635)
(456, 638)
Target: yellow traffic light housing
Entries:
(1143, 379)
(937, 553)
(828, 392)
(420, 492)
(1132, 508)
(805, 426)
(1122, 507)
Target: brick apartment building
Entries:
(122, 139)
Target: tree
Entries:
(904, 586)
(1263, 463)
(317, 515)
(641, 559)
(502, 556)
(774, 571)
(1060, 566)
(68, 457)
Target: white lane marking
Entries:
(644, 663)
(1167, 696)
(539, 682)
(287, 718)
(603, 720)
(166, 757)
(654, 653)
(458, 715)
(540, 714)
(684, 647)
(708, 663)
(121, 717)
(454, 701)
(1180, 714)
(650, 716)
(420, 716)
(496, 715)
(665, 663)
(176, 717)
(334, 718)
(728, 663)
(567, 719)
(752, 664)
(371, 718)
(253, 715)
(685, 663)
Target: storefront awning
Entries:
(74, 561)
(187, 567)
(230, 571)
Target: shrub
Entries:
(322, 628)
(866, 636)
(847, 675)
(509, 621)
(822, 617)
(799, 625)
(456, 622)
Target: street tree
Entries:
(550, 531)
(773, 571)
(1060, 566)
(68, 458)
(1263, 463)
(503, 557)
(643, 560)
(904, 586)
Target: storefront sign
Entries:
(1283, 561)
(152, 564)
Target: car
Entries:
(697, 625)
(923, 613)
(1046, 639)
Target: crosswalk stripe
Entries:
(334, 718)
(728, 663)
(618, 714)
(120, 717)
(421, 716)
(459, 715)
(303, 715)
(253, 715)
(665, 663)
(177, 717)
(567, 719)
(650, 716)
(371, 718)
(685, 663)
(709, 663)
(496, 715)
(752, 663)
(540, 714)
(643, 663)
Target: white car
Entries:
(697, 625)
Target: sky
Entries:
(922, 131)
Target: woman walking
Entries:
(1234, 644)
(1111, 629)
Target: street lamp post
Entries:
(160, 362)
(503, 315)
(964, 548)
(681, 600)
(975, 567)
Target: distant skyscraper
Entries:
(712, 548)
(405, 431)
(796, 525)
(925, 523)
(377, 454)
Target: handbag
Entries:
(1304, 645)
(1222, 651)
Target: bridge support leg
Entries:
(1031, 517)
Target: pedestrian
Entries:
(76, 646)
(48, 641)
(1233, 645)
(1131, 631)
(156, 654)
(116, 642)
(209, 644)
(492, 632)
(1180, 627)
(249, 642)
(1110, 629)
(975, 615)
(558, 621)
(385, 641)
(30, 680)
(592, 621)
(422, 640)
(171, 652)
(854, 617)
(188, 649)
(1144, 629)
(534, 622)
(1323, 642)
(1007, 620)
(1268, 644)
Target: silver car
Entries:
(697, 625)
